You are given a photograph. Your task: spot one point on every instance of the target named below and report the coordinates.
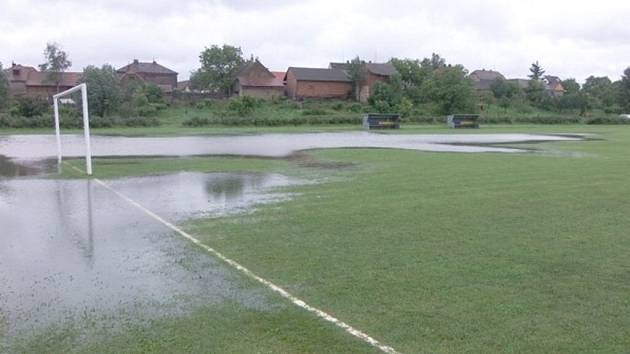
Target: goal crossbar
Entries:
(86, 124)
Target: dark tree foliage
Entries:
(624, 90)
(4, 89)
(57, 61)
(104, 94)
(219, 66)
(450, 90)
(502, 88)
(601, 90)
(386, 97)
(358, 75)
(571, 86)
(536, 94)
(536, 71)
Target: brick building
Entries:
(372, 73)
(28, 81)
(317, 83)
(255, 80)
(149, 73)
(482, 79)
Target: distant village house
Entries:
(149, 73)
(483, 79)
(28, 81)
(372, 72)
(317, 83)
(255, 80)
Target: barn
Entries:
(255, 80)
(317, 83)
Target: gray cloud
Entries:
(570, 39)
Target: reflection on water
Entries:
(70, 249)
(272, 145)
(11, 168)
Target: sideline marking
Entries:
(295, 300)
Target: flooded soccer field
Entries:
(76, 255)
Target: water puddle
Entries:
(268, 145)
(73, 252)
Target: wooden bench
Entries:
(463, 121)
(381, 121)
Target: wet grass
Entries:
(428, 252)
(244, 130)
(435, 252)
(229, 328)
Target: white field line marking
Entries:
(295, 300)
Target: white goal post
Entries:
(86, 124)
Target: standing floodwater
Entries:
(269, 145)
(73, 253)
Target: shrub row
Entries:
(7, 121)
(271, 121)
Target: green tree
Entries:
(56, 63)
(104, 93)
(571, 86)
(4, 88)
(433, 63)
(386, 97)
(451, 90)
(537, 71)
(535, 93)
(413, 75)
(218, 68)
(502, 88)
(574, 101)
(601, 90)
(358, 76)
(624, 90)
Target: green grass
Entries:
(428, 252)
(228, 328)
(453, 252)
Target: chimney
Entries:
(135, 61)
(13, 65)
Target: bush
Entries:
(314, 112)
(338, 106)
(548, 120)
(608, 120)
(614, 109)
(243, 106)
(196, 122)
(7, 121)
(272, 121)
(356, 108)
(31, 107)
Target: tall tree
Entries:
(57, 62)
(502, 88)
(537, 71)
(451, 90)
(535, 92)
(358, 76)
(219, 65)
(624, 90)
(104, 94)
(4, 88)
(435, 62)
(571, 86)
(601, 91)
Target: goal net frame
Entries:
(86, 124)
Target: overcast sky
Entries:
(570, 38)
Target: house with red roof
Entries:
(28, 81)
(148, 73)
(255, 80)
